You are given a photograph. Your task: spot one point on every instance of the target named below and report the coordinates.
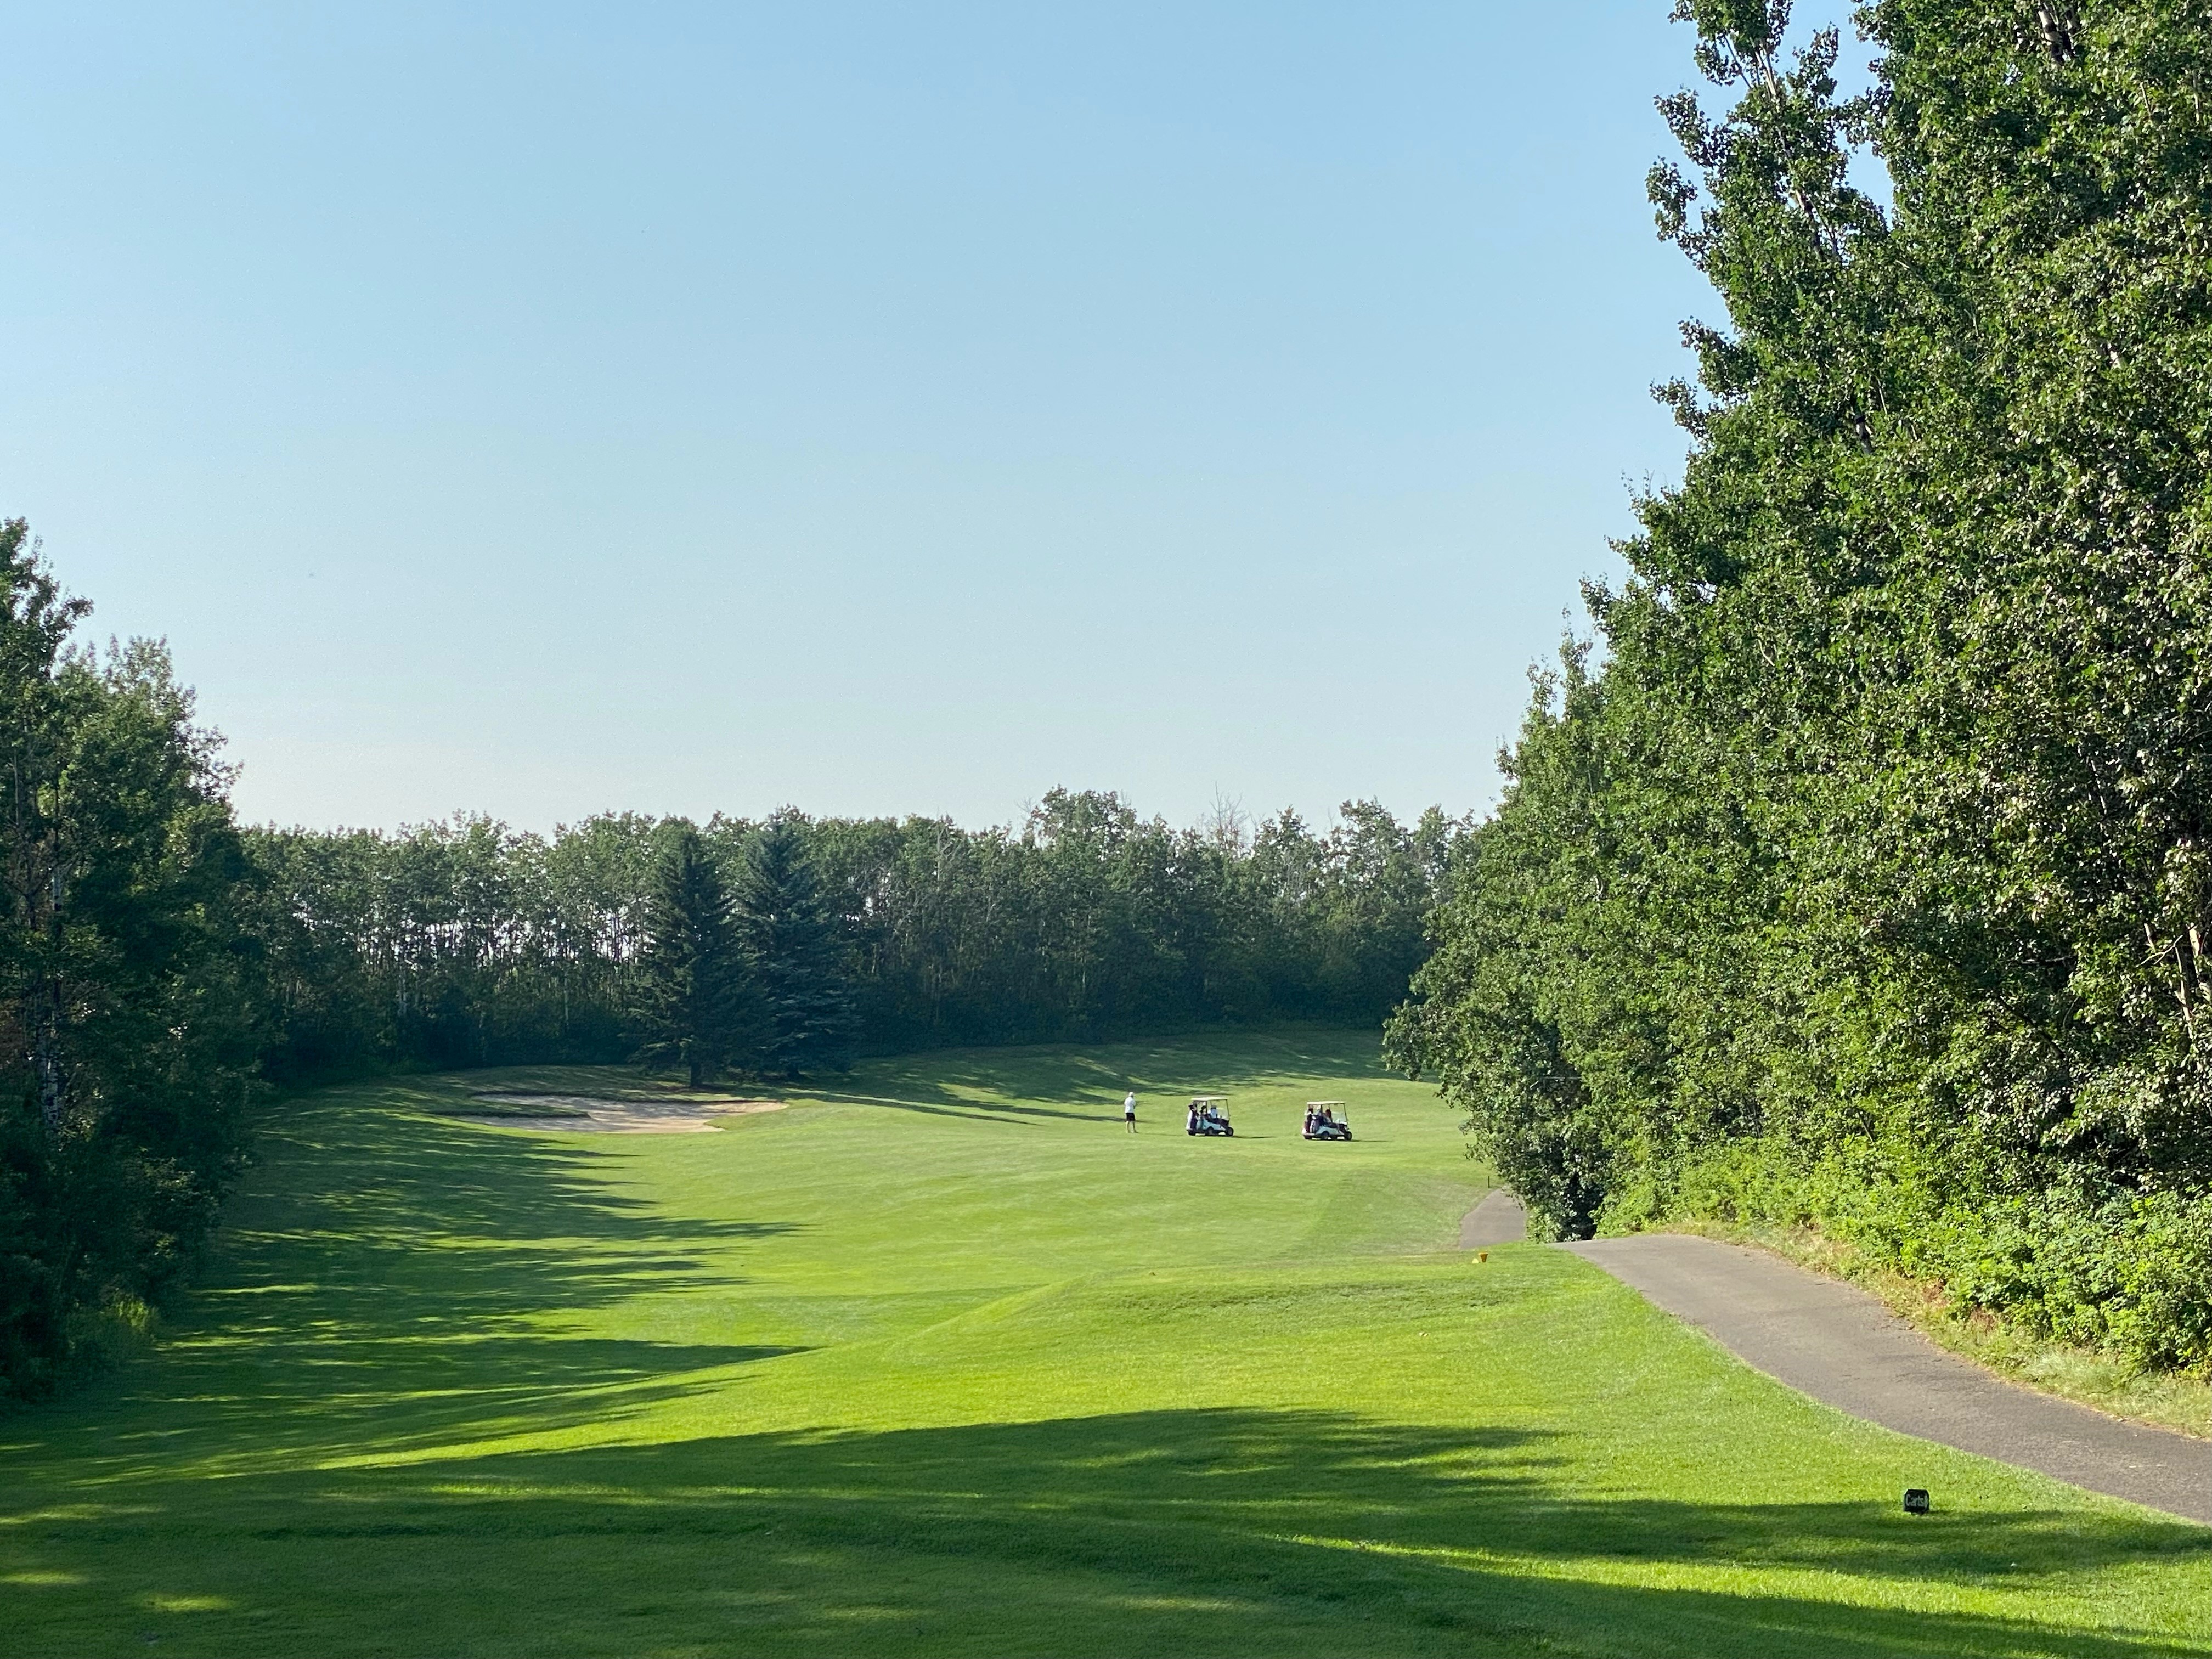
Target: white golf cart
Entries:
(1327, 1120)
(1208, 1116)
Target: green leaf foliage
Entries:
(129, 986)
(468, 944)
(1857, 873)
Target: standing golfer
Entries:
(1129, 1111)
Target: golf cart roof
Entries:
(1207, 1100)
(1324, 1103)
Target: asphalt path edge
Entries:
(1499, 1219)
(1839, 1345)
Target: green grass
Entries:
(939, 1360)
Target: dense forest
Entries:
(467, 944)
(1856, 872)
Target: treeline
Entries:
(162, 968)
(469, 944)
(1859, 872)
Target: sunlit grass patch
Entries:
(942, 1361)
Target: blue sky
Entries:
(547, 409)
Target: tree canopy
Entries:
(467, 943)
(1855, 871)
(127, 984)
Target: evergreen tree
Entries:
(795, 944)
(695, 990)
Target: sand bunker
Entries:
(592, 1115)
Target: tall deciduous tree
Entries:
(1866, 882)
(127, 994)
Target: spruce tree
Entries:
(695, 999)
(807, 1012)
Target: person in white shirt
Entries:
(1129, 1111)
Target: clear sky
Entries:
(545, 408)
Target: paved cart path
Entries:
(1840, 1345)
(1499, 1219)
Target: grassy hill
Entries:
(939, 1360)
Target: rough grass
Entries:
(939, 1360)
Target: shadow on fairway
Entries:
(1227, 1531)
(1004, 1085)
(410, 1294)
(951, 1105)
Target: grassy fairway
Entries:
(939, 1360)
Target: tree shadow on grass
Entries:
(399, 1283)
(317, 1397)
(360, 1174)
(1199, 1531)
(1086, 1084)
(949, 1101)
